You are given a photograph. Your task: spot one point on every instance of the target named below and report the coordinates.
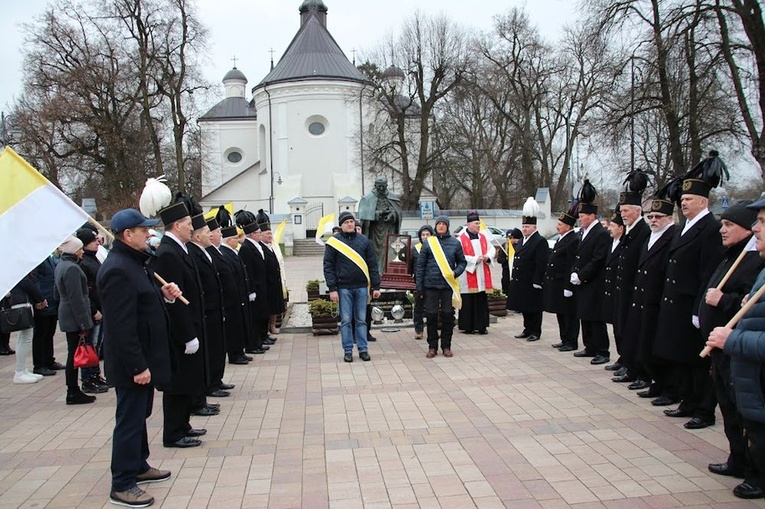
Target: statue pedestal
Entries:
(397, 269)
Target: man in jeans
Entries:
(350, 270)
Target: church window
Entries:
(316, 128)
(234, 156)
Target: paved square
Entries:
(504, 423)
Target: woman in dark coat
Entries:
(74, 313)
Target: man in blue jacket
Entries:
(136, 352)
(350, 270)
(745, 345)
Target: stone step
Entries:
(307, 247)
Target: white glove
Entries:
(695, 321)
(252, 297)
(538, 287)
(568, 293)
(575, 279)
(192, 346)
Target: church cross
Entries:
(234, 60)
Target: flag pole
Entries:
(101, 228)
(738, 316)
(735, 265)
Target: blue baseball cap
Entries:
(759, 204)
(130, 218)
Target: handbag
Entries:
(85, 356)
(17, 317)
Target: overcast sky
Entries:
(248, 29)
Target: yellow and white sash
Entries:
(353, 256)
(446, 271)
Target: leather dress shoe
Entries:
(651, 392)
(678, 412)
(6, 350)
(219, 394)
(184, 443)
(484, 332)
(522, 335)
(267, 342)
(57, 366)
(566, 348)
(600, 359)
(205, 411)
(557, 345)
(584, 353)
(698, 423)
(638, 384)
(371, 337)
(621, 379)
(532, 337)
(238, 360)
(215, 406)
(613, 367)
(725, 469)
(265, 347)
(663, 401)
(44, 371)
(255, 351)
(227, 387)
(746, 490)
(271, 338)
(196, 432)
(247, 357)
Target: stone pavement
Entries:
(505, 423)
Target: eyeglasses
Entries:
(655, 216)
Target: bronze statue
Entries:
(380, 214)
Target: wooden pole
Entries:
(98, 225)
(733, 267)
(163, 283)
(738, 316)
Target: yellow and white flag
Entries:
(324, 228)
(279, 231)
(35, 218)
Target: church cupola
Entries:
(313, 8)
(235, 82)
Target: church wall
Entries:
(219, 140)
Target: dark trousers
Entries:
(216, 347)
(568, 327)
(235, 332)
(438, 304)
(595, 337)
(72, 340)
(418, 313)
(738, 458)
(5, 340)
(755, 433)
(532, 323)
(42, 340)
(176, 409)
(130, 442)
(666, 375)
(698, 392)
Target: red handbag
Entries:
(85, 356)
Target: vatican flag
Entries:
(279, 231)
(35, 218)
(324, 228)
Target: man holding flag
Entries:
(350, 270)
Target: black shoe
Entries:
(621, 371)
(214, 406)
(219, 394)
(532, 337)
(678, 412)
(746, 490)
(613, 367)
(522, 335)
(726, 470)
(566, 348)
(622, 379)
(698, 423)
(238, 360)
(196, 432)
(599, 359)
(6, 350)
(43, 371)
(371, 337)
(184, 442)
(364, 356)
(272, 339)
(584, 353)
(650, 393)
(484, 332)
(638, 384)
(79, 398)
(348, 357)
(205, 411)
(93, 388)
(247, 358)
(226, 387)
(471, 332)
(57, 366)
(663, 401)
(557, 345)
(267, 342)
(256, 351)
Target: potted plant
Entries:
(312, 289)
(323, 317)
(497, 302)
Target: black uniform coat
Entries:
(609, 282)
(647, 289)
(215, 337)
(273, 281)
(255, 264)
(232, 299)
(589, 265)
(529, 266)
(558, 274)
(186, 322)
(693, 258)
(136, 324)
(632, 244)
(242, 285)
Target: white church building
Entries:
(293, 148)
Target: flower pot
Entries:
(313, 294)
(497, 306)
(324, 325)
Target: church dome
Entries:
(317, 5)
(234, 74)
(393, 72)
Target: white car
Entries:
(498, 234)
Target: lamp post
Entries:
(632, 114)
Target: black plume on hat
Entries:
(711, 170)
(191, 203)
(262, 218)
(223, 217)
(587, 193)
(671, 191)
(636, 181)
(244, 217)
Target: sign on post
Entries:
(426, 209)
